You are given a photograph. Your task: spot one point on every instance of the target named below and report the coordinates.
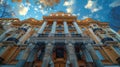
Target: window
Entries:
(59, 27)
(99, 55)
(94, 25)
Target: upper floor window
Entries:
(59, 26)
(94, 25)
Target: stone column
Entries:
(95, 58)
(25, 36)
(87, 55)
(31, 56)
(23, 60)
(42, 27)
(72, 55)
(66, 30)
(117, 35)
(51, 63)
(77, 28)
(93, 34)
(2, 37)
(47, 56)
(67, 63)
(53, 28)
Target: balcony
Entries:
(13, 39)
(43, 35)
(76, 35)
(60, 38)
(107, 39)
(24, 29)
(97, 29)
(59, 35)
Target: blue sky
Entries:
(102, 10)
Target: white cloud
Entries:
(74, 14)
(69, 10)
(69, 4)
(89, 4)
(40, 7)
(23, 9)
(36, 16)
(92, 5)
(115, 3)
(84, 17)
(43, 12)
(66, 3)
(78, 14)
(35, 9)
(96, 9)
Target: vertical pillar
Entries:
(53, 28)
(95, 58)
(22, 61)
(67, 63)
(3, 35)
(117, 35)
(31, 56)
(25, 36)
(77, 28)
(47, 56)
(98, 40)
(66, 30)
(72, 55)
(87, 55)
(51, 63)
(42, 27)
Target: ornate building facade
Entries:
(59, 40)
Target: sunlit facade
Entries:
(59, 40)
